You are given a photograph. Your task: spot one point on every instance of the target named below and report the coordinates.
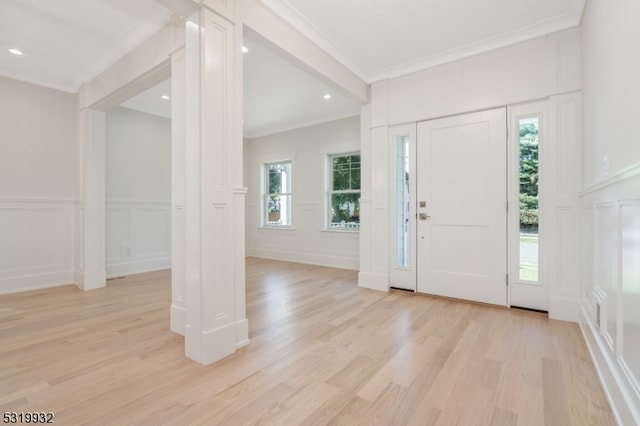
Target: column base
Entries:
(207, 347)
(178, 319)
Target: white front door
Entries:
(462, 207)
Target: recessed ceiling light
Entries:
(327, 96)
(165, 97)
(16, 52)
(245, 49)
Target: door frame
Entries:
(521, 293)
(404, 278)
(515, 112)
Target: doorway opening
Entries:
(138, 183)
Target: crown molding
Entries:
(291, 15)
(540, 29)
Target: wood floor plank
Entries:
(323, 351)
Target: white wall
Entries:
(308, 241)
(545, 69)
(138, 192)
(611, 200)
(530, 70)
(38, 186)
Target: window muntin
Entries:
(277, 194)
(344, 191)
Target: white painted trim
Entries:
(278, 228)
(54, 267)
(619, 396)
(214, 203)
(138, 202)
(154, 23)
(373, 281)
(178, 311)
(621, 176)
(508, 39)
(299, 125)
(300, 23)
(137, 70)
(178, 319)
(138, 267)
(403, 277)
(213, 345)
(36, 200)
(242, 333)
(351, 232)
(35, 281)
(564, 309)
(307, 258)
(92, 139)
(620, 385)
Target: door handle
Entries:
(423, 216)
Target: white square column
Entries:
(90, 272)
(216, 323)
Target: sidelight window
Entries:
(529, 212)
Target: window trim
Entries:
(330, 192)
(266, 195)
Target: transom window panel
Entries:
(277, 198)
(344, 193)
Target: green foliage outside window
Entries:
(345, 191)
(278, 194)
(529, 176)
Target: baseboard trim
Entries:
(36, 281)
(138, 267)
(92, 281)
(178, 319)
(564, 309)
(242, 333)
(305, 258)
(379, 282)
(207, 347)
(624, 404)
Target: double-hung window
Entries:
(344, 191)
(277, 194)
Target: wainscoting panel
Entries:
(610, 314)
(36, 243)
(606, 268)
(138, 237)
(306, 242)
(630, 292)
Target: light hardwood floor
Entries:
(323, 351)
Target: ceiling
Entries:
(273, 84)
(68, 42)
(380, 39)
(278, 95)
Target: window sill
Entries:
(341, 230)
(531, 283)
(276, 228)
